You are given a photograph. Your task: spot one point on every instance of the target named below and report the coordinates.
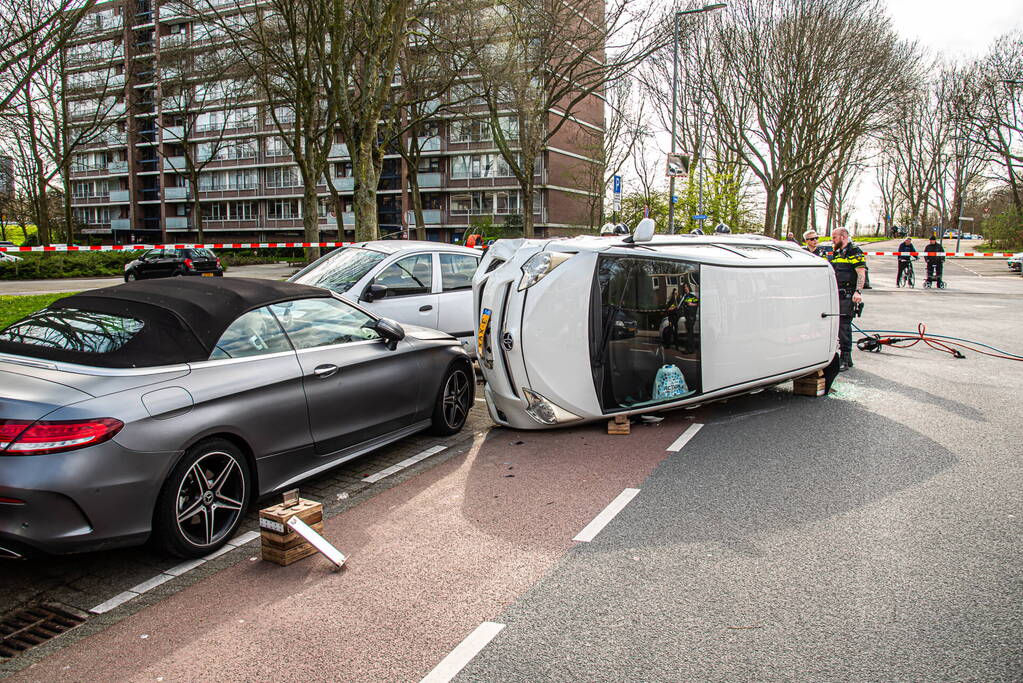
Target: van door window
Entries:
(645, 339)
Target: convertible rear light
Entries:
(218, 262)
(188, 264)
(19, 437)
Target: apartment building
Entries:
(128, 183)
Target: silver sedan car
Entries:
(166, 407)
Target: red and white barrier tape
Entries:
(281, 245)
(215, 245)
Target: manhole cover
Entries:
(34, 625)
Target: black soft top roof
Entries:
(184, 317)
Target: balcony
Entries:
(170, 193)
(430, 217)
(177, 223)
(117, 167)
(429, 180)
(120, 196)
(430, 144)
(344, 184)
(174, 163)
(120, 224)
(337, 150)
(171, 10)
(173, 133)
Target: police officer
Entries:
(813, 244)
(850, 266)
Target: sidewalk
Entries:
(429, 560)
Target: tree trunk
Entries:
(770, 211)
(365, 198)
(417, 203)
(528, 188)
(65, 173)
(311, 219)
(193, 184)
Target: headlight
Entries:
(545, 412)
(539, 266)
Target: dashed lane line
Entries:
(394, 469)
(591, 530)
(682, 440)
(450, 666)
(171, 573)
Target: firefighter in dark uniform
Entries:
(690, 309)
(850, 266)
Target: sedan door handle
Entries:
(424, 309)
(325, 371)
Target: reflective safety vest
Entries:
(845, 261)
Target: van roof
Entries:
(721, 249)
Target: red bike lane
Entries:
(429, 560)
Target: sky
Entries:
(955, 29)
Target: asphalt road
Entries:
(270, 271)
(870, 535)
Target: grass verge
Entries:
(13, 308)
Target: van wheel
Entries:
(204, 499)
(454, 400)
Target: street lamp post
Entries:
(674, 101)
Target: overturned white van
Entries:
(581, 329)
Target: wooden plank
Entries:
(619, 425)
(286, 557)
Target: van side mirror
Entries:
(391, 331)
(374, 292)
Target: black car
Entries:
(173, 262)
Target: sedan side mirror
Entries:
(374, 292)
(391, 331)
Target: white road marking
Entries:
(607, 514)
(151, 583)
(242, 539)
(482, 400)
(185, 567)
(682, 440)
(113, 602)
(450, 666)
(393, 469)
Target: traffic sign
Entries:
(617, 197)
(700, 217)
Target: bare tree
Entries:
(202, 111)
(995, 111)
(542, 64)
(33, 32)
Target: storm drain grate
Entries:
(34, 625)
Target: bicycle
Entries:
(907, 276)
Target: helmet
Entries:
(696, 231)
(612, 230)
(722, 229)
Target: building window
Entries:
(470, 130)
(283, 176)
(429, 165)
(284, 208)
(214, 211)
(479, 166)
(276, 146)
(242, 180)
(242, 211)
(461, 204)
(343, 169)
(284, 115)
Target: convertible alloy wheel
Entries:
(210, 498)
(129, 277)
(204, 499)
(454, 401)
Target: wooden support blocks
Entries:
(809, 385)
(619, 425)
(280, 544)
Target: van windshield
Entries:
(645, 331)
(339, 270)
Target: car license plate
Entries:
(484, 322)
(207, 274)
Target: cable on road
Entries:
(901, 339)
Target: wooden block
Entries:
(809, 385)
(285, 541)
(289, 556)
(281, 545)
(619, 425)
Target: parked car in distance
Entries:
(586, 328)
(6, 255)
(1015, 262)
(173, 263)
(167, 407)
(420, 283)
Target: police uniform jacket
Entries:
(845, 261)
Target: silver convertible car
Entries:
(168, 406)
